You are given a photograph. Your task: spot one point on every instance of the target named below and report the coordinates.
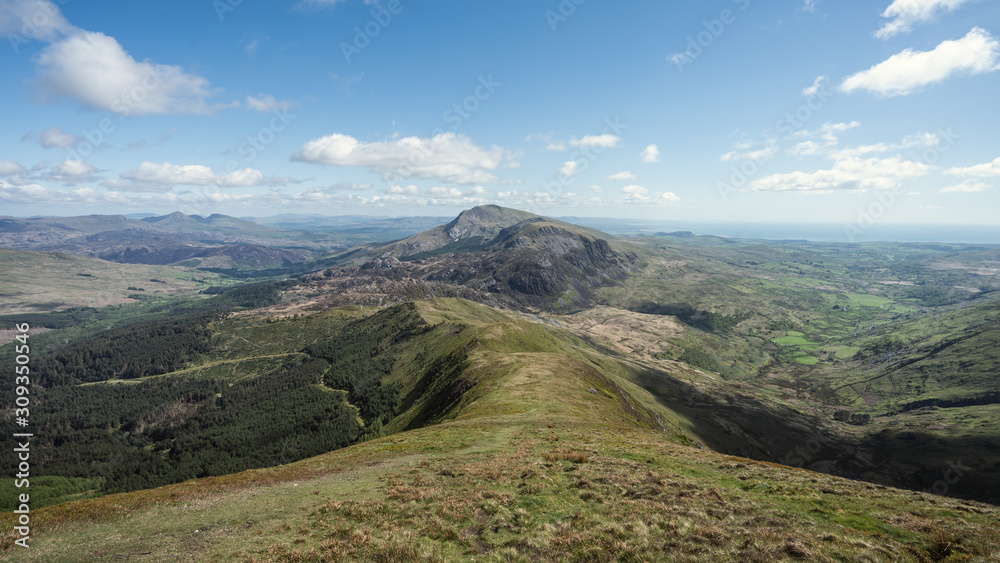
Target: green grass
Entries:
(542, 483)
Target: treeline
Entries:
(134, 351)
(364, 353)
(60, 319)
(136, 436)
(707, 320)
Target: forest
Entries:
(112, 416)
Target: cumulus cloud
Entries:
(26, 20)
(11, 168)
(569, 168)
(168, 174)
(56, 137)
(66, 68)
(75, 169)
(987, 170)
(827, 138)
(410, 190)
(638, 195)
(447, 157)
(445, 192)
(854, 168)
(906, 72)
(35, 193)
(626, 175)
(606, 141)
(650, 154)
(967, 187)
(766, 152)
(845, 174)
(907, 13)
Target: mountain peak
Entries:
(485, 221)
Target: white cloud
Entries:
(667, 197)
(445, 192)
(68, 65)
(904, 73)
(34, 193)
(967, 187)
(195, 175)
(828, 133)
(447, 156)
(56, 137)
(920, 140)
(410, 190)
(650, 154)
(845, 174)
(478, 191)
(765, 153)
(829, 130)
(807, 148)
(569, 168)
(606, 141)
(637, 195)
(75, 169)
(817, 85)
(907, 13)
(810, 6)
(67, 69)
(550, 144)
(32, 20)
(264, 103)
(987, 170)
(351, 187)
(10, 168)
(626, 175)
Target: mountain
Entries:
(178, 221)
(493, 255)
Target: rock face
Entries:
(525, 258)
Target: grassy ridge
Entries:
(549, 452)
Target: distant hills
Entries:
(216, 241)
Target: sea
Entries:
(819, 232)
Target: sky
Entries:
(851, 112)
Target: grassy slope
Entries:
(547, 452)
(44, 281)
(816, 310)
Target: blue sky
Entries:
(725, 110)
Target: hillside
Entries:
(217, 241)
(490, 254)
(44, 281)
(519, 442)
